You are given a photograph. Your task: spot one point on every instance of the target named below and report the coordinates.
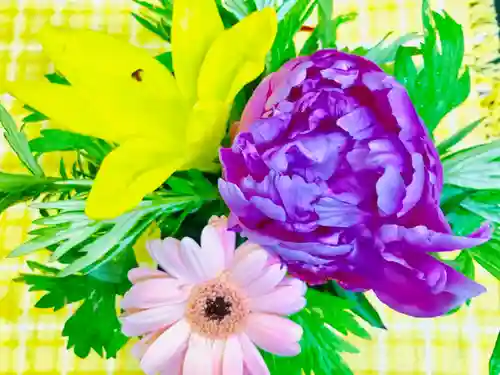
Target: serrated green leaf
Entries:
(40, 243)
(360, 305)
(77, 238)
(456, 138)
(61, 140)
(19, 143)
(438, 87)
(494, 363)
(97, 249)
(474, 168)
(384, 53)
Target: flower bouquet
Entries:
(229, 202)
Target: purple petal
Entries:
(423, 286)
(358, 123)
(424, 239)
(390, 191)
(269, 208)
(333, 212)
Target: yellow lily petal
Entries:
(63, 105)
(130, 91)
(206, 128)
(90, 58)
(128, 173)
(195, 25)
(237, 57)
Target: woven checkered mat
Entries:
(30, 339)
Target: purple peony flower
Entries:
(334, 171)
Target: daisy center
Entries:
(217, 309)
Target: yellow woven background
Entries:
(30, 339)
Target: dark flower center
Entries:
(217, 308)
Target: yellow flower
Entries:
(121, 94)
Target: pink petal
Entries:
(228, 238)
(154, 293)
(139, 323)
(217, 355)
(233, 357)
(142, 346)
(174, 365)
(198, 357)
(167, 254)
(244, 250)
(194, 259)
(143, 273)
(254, 363)
(247, 269)
(266, 282)
(166, 347)
(214, 260)
(274, 334)
(296, 283)
(284, 300)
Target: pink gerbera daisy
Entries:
(212, 307)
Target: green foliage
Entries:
(465, 210)
(16, 188)
(326, 26)
(61, 140)
(94, 325)
(359, 304)
(474, 168)
(156, 18)
(18, 142)
(284, 46)
(88, 244)
(456, 138)
(326, 320)
(495, 358)
(166, 59)
(438, 87)
(385, 53)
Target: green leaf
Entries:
(311, 44)
(438, 87)
(16, 188)
(61, 140)
(34, 117)
(94, 325)
(283, 48)
(57, 78)
(456, 138)
(240, 8)
(495, 358)
(18, 142)
(359, 304)
(488, 255)
(166, 59)
(326, 26)
(151, 26)
(384, 53)
(475, 167)
(325, 321)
